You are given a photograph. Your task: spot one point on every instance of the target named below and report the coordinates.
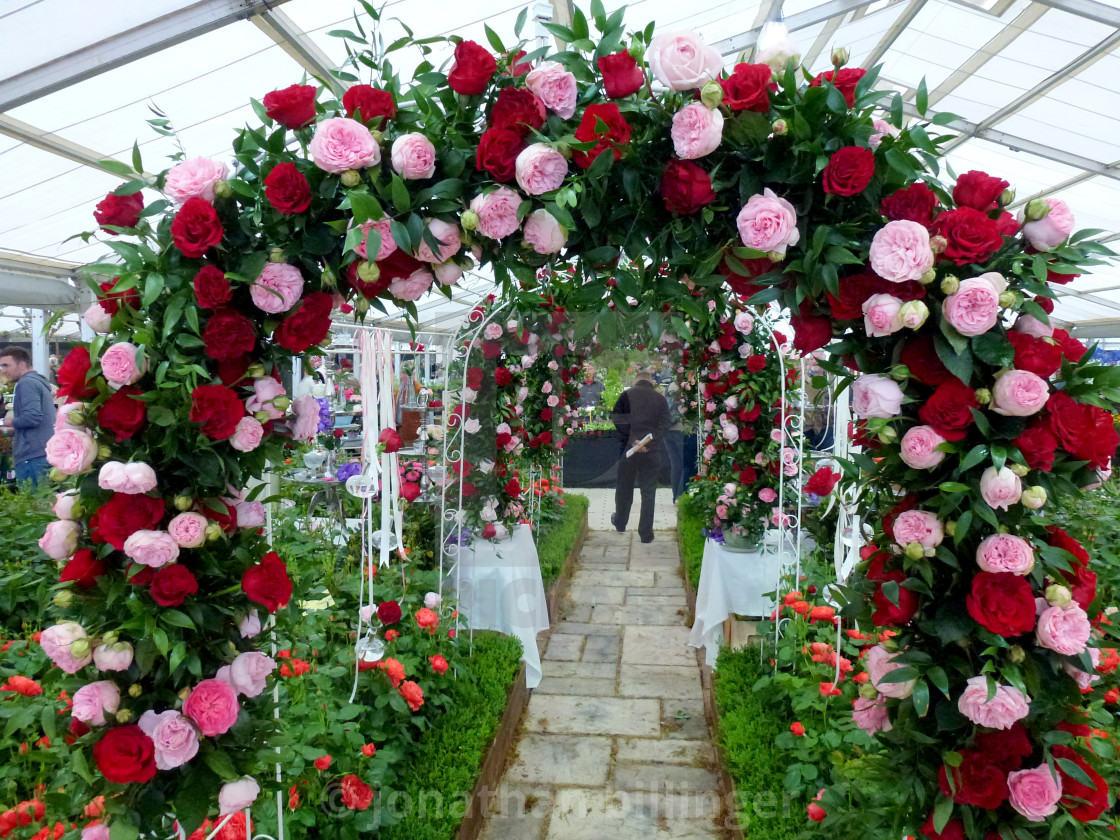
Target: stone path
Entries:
(614, 743)
(602, 506)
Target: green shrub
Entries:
(690, 537)
(557, 539)
(26, 573)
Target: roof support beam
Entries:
(824, 40)
(1064, 185)
(299, 45)
(176, 27)
(891, 35)
(801, 20)
(1090, 9)
(32, 136)
(1088, 297)
(1108, 328)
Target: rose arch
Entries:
(627, 173)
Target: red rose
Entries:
(196, 227)
(546, 414)
(954, 830)
(473, 68)
(1005, 747)
(916, 203)
(489, 532)
(977, 781)
(810, 332)
(392, 440)
(848, 171)
(125, 755)
(172, 584)
(372, 102)
(749, 415)
(267, 583)
(1006, 224)
(123, 415)
(517, 67)
(844, 80)
(139, 575)
(1082, 580)
(1038, 445)
(978, 190)
(389, 612)
(517, 108)
(287, 190)
(621, 75)
(122, 516)
(497, 152)
(1085, 802)
(1045, 304)
(83, 569)
(747, 88)
(398, 265)
(1084, 431)
(615, 137)
(949, 410)
(513, 488)
(823, 481)
(293, 107)
(686, 187)
(756, 363)
(857, 288)
(474, 378)
(211, 287)
(920, 357)
(889, 614)
(1072, 349)
(410, 491)
(232, 371)
(119, 211)
(218, 409)
(111, 301)
(228, 335)
(491, 349)
(222, 512)
(502, 377)
(971, 235)
(307, 325)
(748, 475)
(1035, 354)
(1060, 279)
(72, 375)
(356, 794)
(1002, 603)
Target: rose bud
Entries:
(983, 396)
(913, 314)
(184, 503)
(951, 527)
(1016, 654)
(377, 136)
(276, 255)
(282, 402)
(915, 551)
(1008, 300)
(213, 531)
(868, 692)
(888, 435)
(469, 220)
(711, 94)
(135, 690)
(775, 256)
(57, 475)
(1020, 469)
(938, 244)
(950, 285)
(1037, 209)
(75, 418)
(361, 306)
(1058, 596)
(222, 189)
(110, 638)
(369, 272)
(64, 598)
(124, 716)
(255, 371)
(262, 416)
(780, 128)
(1034, 497)
(79, 648)
(840, 56)
(104, 452)
(350, 178)
(1006, 197)
(928, 277)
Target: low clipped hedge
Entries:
(690, 537)
(556, 541)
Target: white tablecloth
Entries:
(500, 588)
(733, 583)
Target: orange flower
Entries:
(322, 763)
(801, 607)
(391, 635)
(356, 794)
(95, 808)
(1112, 696)
(369, 750)
(829, 690)
(438, 663)
(791, 597)
(822, 613)
(22, 685)
(797, 728)
(861, 677)
(413, 694)
(393, 669)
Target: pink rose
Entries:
(64, 504)
(540, 169)
(1064, 630)
(497, 212)
(278, 288)
(62, 415)
(871, 715)
(98, 319)
(448, 236)
(152, 548)
(340, 144)
(974, 308)
(388, 244)
(876, 395)
(56, 643)
(250, 625)
(919, 448)
(250, 515)
(94, 699)
(413, 286)
(248, 673)
(1035, 792)
(115, 657)
(1000, 488)
(213, 706)
(306, 424)
(413, 157)
(1020, 393)
(682, 61)
(767, 495)
(768, 223)
(555, 86)
(265, 390)
(131, 478)
(237, 796)
(71, 451)
(1030, 325)
(918, 526)
(880, 663)
(882, 315)
(1000, 712)
(448, 273)
(174, 736)
(119, 365)
(248, 434)
(744, 323)
(544, 233)
(1085, 679)
(60, 540)
(188, 529)
(697, 131)
(900, 251)
(194, 177)
(1052, 229)
(1005, 553)
(100, 831)
(882, 129)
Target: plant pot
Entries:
(740, 542)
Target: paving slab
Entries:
(560, 760)
(587, 686)
(657, 646)
(670, 682)
(583, 670)
(664, 778)
(602, 648)
(654, 562)
(570, 611)
(613, 578)
(621, 815)
(576, 715)
(577, 628)
(563, 646)
(597, 594)
(684, 719)
(664, 751)
(641, 598)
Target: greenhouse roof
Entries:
(1032, 83)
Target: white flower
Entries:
(553, 401)
(486, 466)
(553, 365)
(469, 396)
(745, 350)
(472, 426)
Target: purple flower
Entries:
(326, 420)
(348, 469)
(714, 534)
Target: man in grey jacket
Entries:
(32, 418)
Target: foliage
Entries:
(555, 542)
(26, 574)
(690, 536)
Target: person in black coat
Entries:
(640, 411)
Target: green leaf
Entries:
(120, 829)
(943, 810)
(921, 102)
(365, 207)
(219, 761)
(177, 618)
(993, 348)
(401, 200)
(116, 168)
(152, 288)
(953, 487)
(897, 113)
(920, 698)
(519, 25)
(975, 456)
(137, 163)
(493, 38)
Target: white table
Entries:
(500, 588)
(734, 583)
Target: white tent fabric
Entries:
(1033, 84)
